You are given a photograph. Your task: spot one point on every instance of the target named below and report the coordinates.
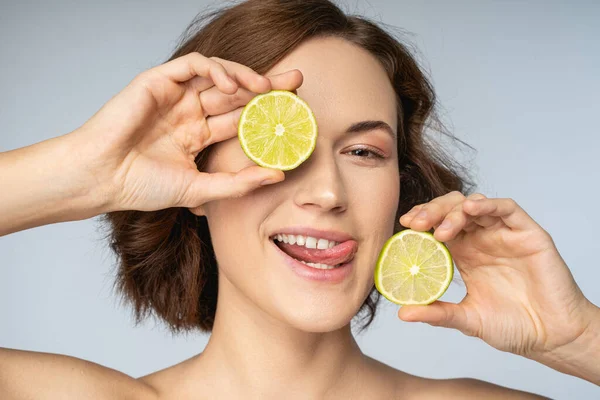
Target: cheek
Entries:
(237, 226)
(233, 226)
(232, 220)
(375, 197)
(375, 203)
(227, 156)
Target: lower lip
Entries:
(334, 275)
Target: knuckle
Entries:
(409, 209)
(416, 207)
(216, 64)
(212, 67)
(205, 134)
(511, 203)
(548, 236)
(457, 194)
(456, 211)
(419, 207)
(218, 60)
(431, 208)
(141, 78)
(146, 78)
(456, 214)
(203, 97)
(223, 71)
(468, 331)
(239, 188)
(477, 196)
(196, 56)
(234, 121)
(235, 98)
(191, 69)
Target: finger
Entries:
(507, 209)
(224, 185)
(245, 76)
(433, 212)
(455, 221)
(438, 313)
(451, 225)
(407, 218)
(200, 83)
(485, 221)
(215, 102)
(184, 68)
(290, 80)
(224, 126)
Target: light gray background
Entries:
(518, 80)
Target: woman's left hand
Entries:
(521, 296)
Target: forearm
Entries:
(582, 357)
(45, 183)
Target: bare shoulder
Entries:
(35, 375)
(469, 388)
(407, 386)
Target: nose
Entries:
(320, 185)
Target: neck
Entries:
(258, 356)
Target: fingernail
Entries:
(421, 215)
(269, 181)
(445, 225)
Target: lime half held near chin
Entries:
(413, 268)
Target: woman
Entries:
(197, 249)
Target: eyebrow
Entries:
(364, 126)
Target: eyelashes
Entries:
(366, 153)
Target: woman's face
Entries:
(346, 191)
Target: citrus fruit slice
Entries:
(277, 130)
(413, 268)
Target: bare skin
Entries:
(59, 377)
(121, 160)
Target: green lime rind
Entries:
(378, 276)
(300, 158)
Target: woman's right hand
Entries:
(139, 148)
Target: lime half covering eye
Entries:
(278, 130)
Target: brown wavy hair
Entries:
(166, 263)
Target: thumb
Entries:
(207, 187)
(438, 313)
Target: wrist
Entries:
(45, 183)
(88, 190)
(65, 184)
(580, 357)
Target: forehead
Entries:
(343, 83)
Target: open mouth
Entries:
(315, 252)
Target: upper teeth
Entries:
(308, 241)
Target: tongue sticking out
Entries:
(340, 254)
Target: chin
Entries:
(317, 318)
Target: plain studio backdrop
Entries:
(518, 80)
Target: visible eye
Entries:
(366, 152)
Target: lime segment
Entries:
(278, 130)
(413, 268)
